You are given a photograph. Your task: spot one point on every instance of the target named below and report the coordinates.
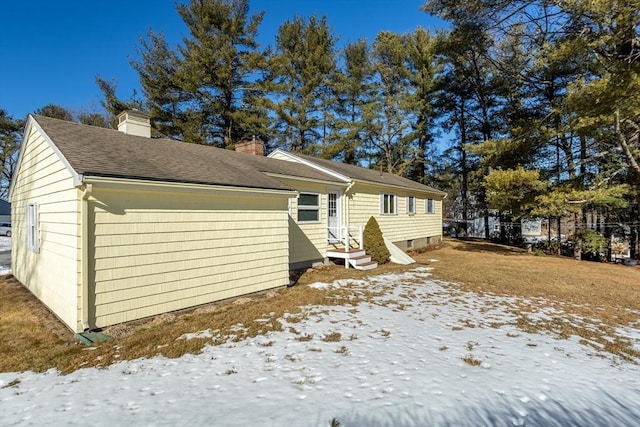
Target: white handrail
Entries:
(346, 236)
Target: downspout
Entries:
(346, 205)
(84, 264)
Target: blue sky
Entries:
(51, 51)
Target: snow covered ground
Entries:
(5, 243)
(397, 361)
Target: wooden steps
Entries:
(357, 258)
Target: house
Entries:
(112, 226)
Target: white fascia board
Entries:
(435, 193)
(310, 164)
(32, 123)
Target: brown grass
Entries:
(332, 337)
(470, 360)
(599, 296)
(485, 267)
(31, 338)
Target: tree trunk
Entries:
(558, 251)
(577, 241)
(503, 229)
(464, 168)
(487, 232)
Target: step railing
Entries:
(346, 237)
(349, 236)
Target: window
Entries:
(388, 204)
(411, 205)
(32, 227)
(429, 206)
(308, 207)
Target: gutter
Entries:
(133, 184)
(346, 204)
(84, 264)
(434, 192)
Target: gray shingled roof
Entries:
(370, 175)
(284, 167)
(94, 151)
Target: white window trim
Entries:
(309, 208)
(32, 228)
(426, 206)
(395, 204)
(411, 211)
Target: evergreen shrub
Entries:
(374, 243)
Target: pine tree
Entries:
(388, 116)
(55, 112)
(354, 90)
(423, 71)
(564, 101)
(10, 140)
(111, 103)
(299, 81)
(205, 90)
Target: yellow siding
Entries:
(308, 241)
(52, 274)
(157, 252)
(365, 202)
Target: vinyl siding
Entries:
(308, 240)
(52, 274)
(365, 202)
(156, 252)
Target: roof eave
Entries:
(405, 188)
(182, 187)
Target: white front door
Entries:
(334, 215)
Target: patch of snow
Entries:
(200, 334)
(398, 361)
(321, 285)
(5, 243)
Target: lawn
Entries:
(582, 299)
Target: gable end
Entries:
(32, 124)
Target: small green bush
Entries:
(592, 241)
(374, 243)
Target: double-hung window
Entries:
(32, 227)
(388, 204)
(411, 205)
(308, 207)
(429, 206)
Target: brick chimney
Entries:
(253, 146)
(134, 122)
